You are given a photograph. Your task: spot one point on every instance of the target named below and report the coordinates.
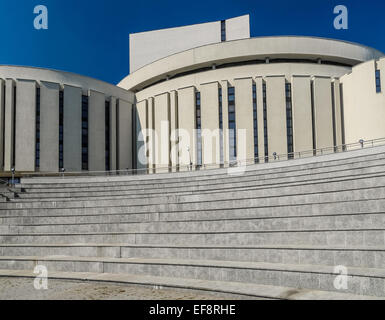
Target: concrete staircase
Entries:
(277, 231)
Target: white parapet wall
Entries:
(147, 47)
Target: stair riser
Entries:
(352, 258)
(364, 259)
(318, 281)
(88, 251)
(101, 218)
(332, 222)
(338, 238)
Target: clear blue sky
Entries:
(90, 37)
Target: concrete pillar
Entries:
(323, 117)
(141, 135)
(151, 138)
(173, 129)
(49, 126)
(2, 122)
(276, 115)
(96, 131)
(162, 132)
(25, 126)
(244, 118)
(225, 113)
(72, 128)
(260, 119)
(338, 127)
(210, 123)
(113, 134)
(187, 125)
(302, 115)
(125, 135)
(9, 117)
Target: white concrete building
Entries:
(282, 95)
(51, 120)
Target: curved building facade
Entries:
(53, 120)
(267, 96)
(212, 96)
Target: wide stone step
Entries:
(276, 167)
(262, 179)
(364, 221)
(164, 213)
(360, 281)
(226, 289)
(106, 193)
(217, 200)
(358, 256)
(340, 237)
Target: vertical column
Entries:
(151, 138)
(49, 126)
(323, 117)
(244, 118)
(225, 113)
(260, 119)
(72, 128)
(9, 121)
(96, 131)
(210, 123)
(276, 115)
(141, 131)
(113, 134)
(337, 112)
(302, 115)
(25, 125)
(173, 129)
(125, 135)
(162, 131)
(2, 99)
(187, 125)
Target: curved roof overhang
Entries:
(286, 47)
(64, 78)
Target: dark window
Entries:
(61, 129)
(107, 126)
(232, 124)
(14, 127)
(289, 122)
(84, 132)
(342, 116)
(312, 115)
(378, 81)
(223, 30)
(220, 125)
(198, 127)
(265, 122)
(37, 146)
(255, 119)
(3, 122)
